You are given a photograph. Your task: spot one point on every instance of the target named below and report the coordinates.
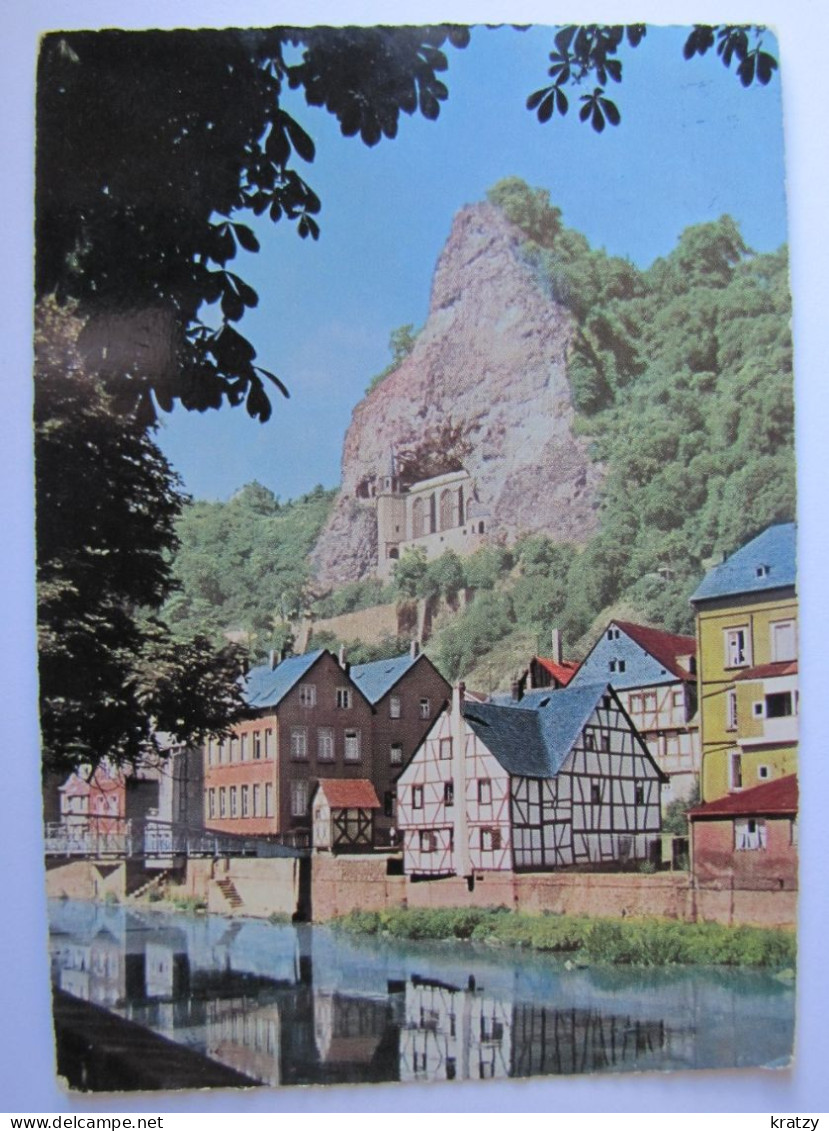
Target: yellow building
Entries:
(746, 611)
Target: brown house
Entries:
(308, 720)
(312, 718)
(747, 840)
(407, 693)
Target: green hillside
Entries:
(682, 378)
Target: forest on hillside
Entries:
(682, 378)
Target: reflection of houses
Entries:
(654, 675)
(748, 839)
(454, 1034)
(561, 781)
(437, 514)
(246, 1037)
(312, 719)
(348, 1030)
(747, 631)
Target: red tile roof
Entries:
(353, 793)
(769, 671)
(562, 671)
(665, 647)
(772, 798)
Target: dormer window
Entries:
(762, 571)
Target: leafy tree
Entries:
(409, 572)
(401, 343)
(109, 673)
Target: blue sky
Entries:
(693, 144)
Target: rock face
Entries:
(486, 389)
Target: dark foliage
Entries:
(109, 675)
(590, 51)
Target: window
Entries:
(224, 752)
(779, 705)
(736, 770)
(589, 743)
(245, 801)
(783, 640)
(344, 698)
(762, 571)
(396, 754)
(394, 707)
(417, 797)
(299, 798)
(268, 799)
(612, 666)
(428, 840)
(257, 745)
(649, 701)
(484, 791)
(639, 793)
(233, 802)
(635, 704)
(607, 702)
(425, 709)
(736, 647)
(243, 747)
(222, 802)
(352, 746)
(325, 744)
(299, 744)
(758, 709)
(210, 751)
(211, 802)
(445, 749)
(490, 839)
(269, 751)
(234, 748)
(749, 834)
(763, 773)
(596, 793)
(257, 801)
(678, 698)
(731, 709)
(621, 665)
(604, 741)
(307, 695)
(448, 793)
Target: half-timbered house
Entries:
(344, 815)
(554, 783)
(654, 675)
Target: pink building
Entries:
(748, 840)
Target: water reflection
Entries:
(302, 1005)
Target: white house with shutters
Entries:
(550, 782)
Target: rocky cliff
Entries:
(486, 389)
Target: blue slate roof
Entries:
(535, 741)
(768, 561)
(378, 677)
(265, 686)
(636, 656)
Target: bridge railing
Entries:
(150, 838)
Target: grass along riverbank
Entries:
(633, 942)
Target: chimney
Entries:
(272, 660)
(341, 657)
(284, 652)
(414, 649)
(556, 646)
(516, 691)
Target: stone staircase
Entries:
(153, 883)
(231, 895)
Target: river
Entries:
(307, 1005)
